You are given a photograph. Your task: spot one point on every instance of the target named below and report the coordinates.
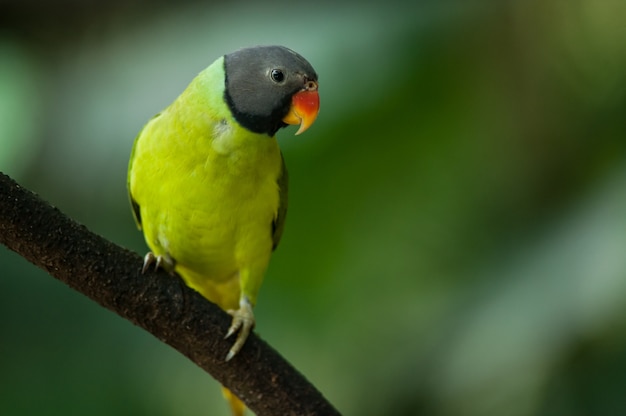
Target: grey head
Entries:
(260, 82)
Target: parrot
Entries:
(207, 180)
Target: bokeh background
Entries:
(456, 241)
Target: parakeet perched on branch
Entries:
(207, 180)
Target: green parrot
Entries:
(208, 183)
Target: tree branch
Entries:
(162, 305)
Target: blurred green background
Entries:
(456, 241)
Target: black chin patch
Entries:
(261, 124)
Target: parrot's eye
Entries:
(277, 75)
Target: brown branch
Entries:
(162, 305)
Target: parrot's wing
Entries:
(279, 221)
(133, 203)
(136, 210)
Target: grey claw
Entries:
(148, 260)
(164, 262)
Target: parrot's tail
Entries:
(236, 406)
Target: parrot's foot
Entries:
(160, 262)
(243, 321)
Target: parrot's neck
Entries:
(205, 93)
(201, 109)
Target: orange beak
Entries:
(304, 108)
